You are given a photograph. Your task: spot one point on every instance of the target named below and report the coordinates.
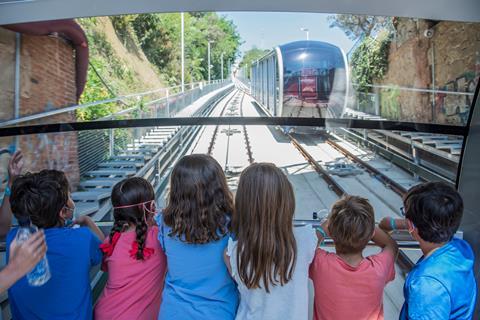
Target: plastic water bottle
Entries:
(40, 274)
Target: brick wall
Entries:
(47, 82)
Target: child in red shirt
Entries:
(347, 285)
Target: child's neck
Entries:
(352, 259)
(429, 247)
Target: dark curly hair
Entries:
(199, 203)
(435, 209)
(40, 196)
(130, 191)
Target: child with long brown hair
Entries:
(134, 260)
(269, 258)
(194, 229)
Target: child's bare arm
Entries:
(15, 167)
(383, 240)
(389, 224)
(226, 259)
(86, 221)
(322, 231)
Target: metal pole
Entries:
(222, 65)
(433, 81)
(18, 41)
(183, 50)
(168, 103)
(208, 62)
(17, 75)
(307, 31)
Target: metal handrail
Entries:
(422, 90)
(95, 103)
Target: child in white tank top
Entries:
(269, 258)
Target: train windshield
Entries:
(342, 103)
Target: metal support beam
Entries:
(183, 49)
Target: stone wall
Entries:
(47, 82)
(450, 56)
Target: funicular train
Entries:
(302, 79)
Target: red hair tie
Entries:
(107, 248)
(147, 252)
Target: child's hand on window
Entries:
(15, 165)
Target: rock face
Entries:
(446, 59)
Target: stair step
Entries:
(118, 164)
(138, 157)
(86, 208)
(90, 195)
(108, 173)
(104, 183)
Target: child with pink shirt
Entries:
(348, 285)
(133, 258)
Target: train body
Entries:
(302, 79)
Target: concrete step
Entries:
(111, 173)
(138, 157)
(166, 129)
(86, 208)
(121, 164)
(99, 183)
(82, 196)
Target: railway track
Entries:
(232, 107)
(403, 260)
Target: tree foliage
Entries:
(370, 60)
(356, 26)
(159, 37)
(249, 57)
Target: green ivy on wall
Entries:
(370, 61)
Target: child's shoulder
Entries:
(82, 233)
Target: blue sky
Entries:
(268, 29)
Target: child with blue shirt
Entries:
(442, 284)
(193, 232)
(44, 198)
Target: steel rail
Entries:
(332, 184)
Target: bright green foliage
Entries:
(159, 37)
(369, 61)
(116, 77)
(249, 57)
(389, 102)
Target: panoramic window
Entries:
(343, 104)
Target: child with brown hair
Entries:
(347, 284)
(193, 231)
(269, 258)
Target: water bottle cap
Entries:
(23, 221)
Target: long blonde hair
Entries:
(263, 225)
